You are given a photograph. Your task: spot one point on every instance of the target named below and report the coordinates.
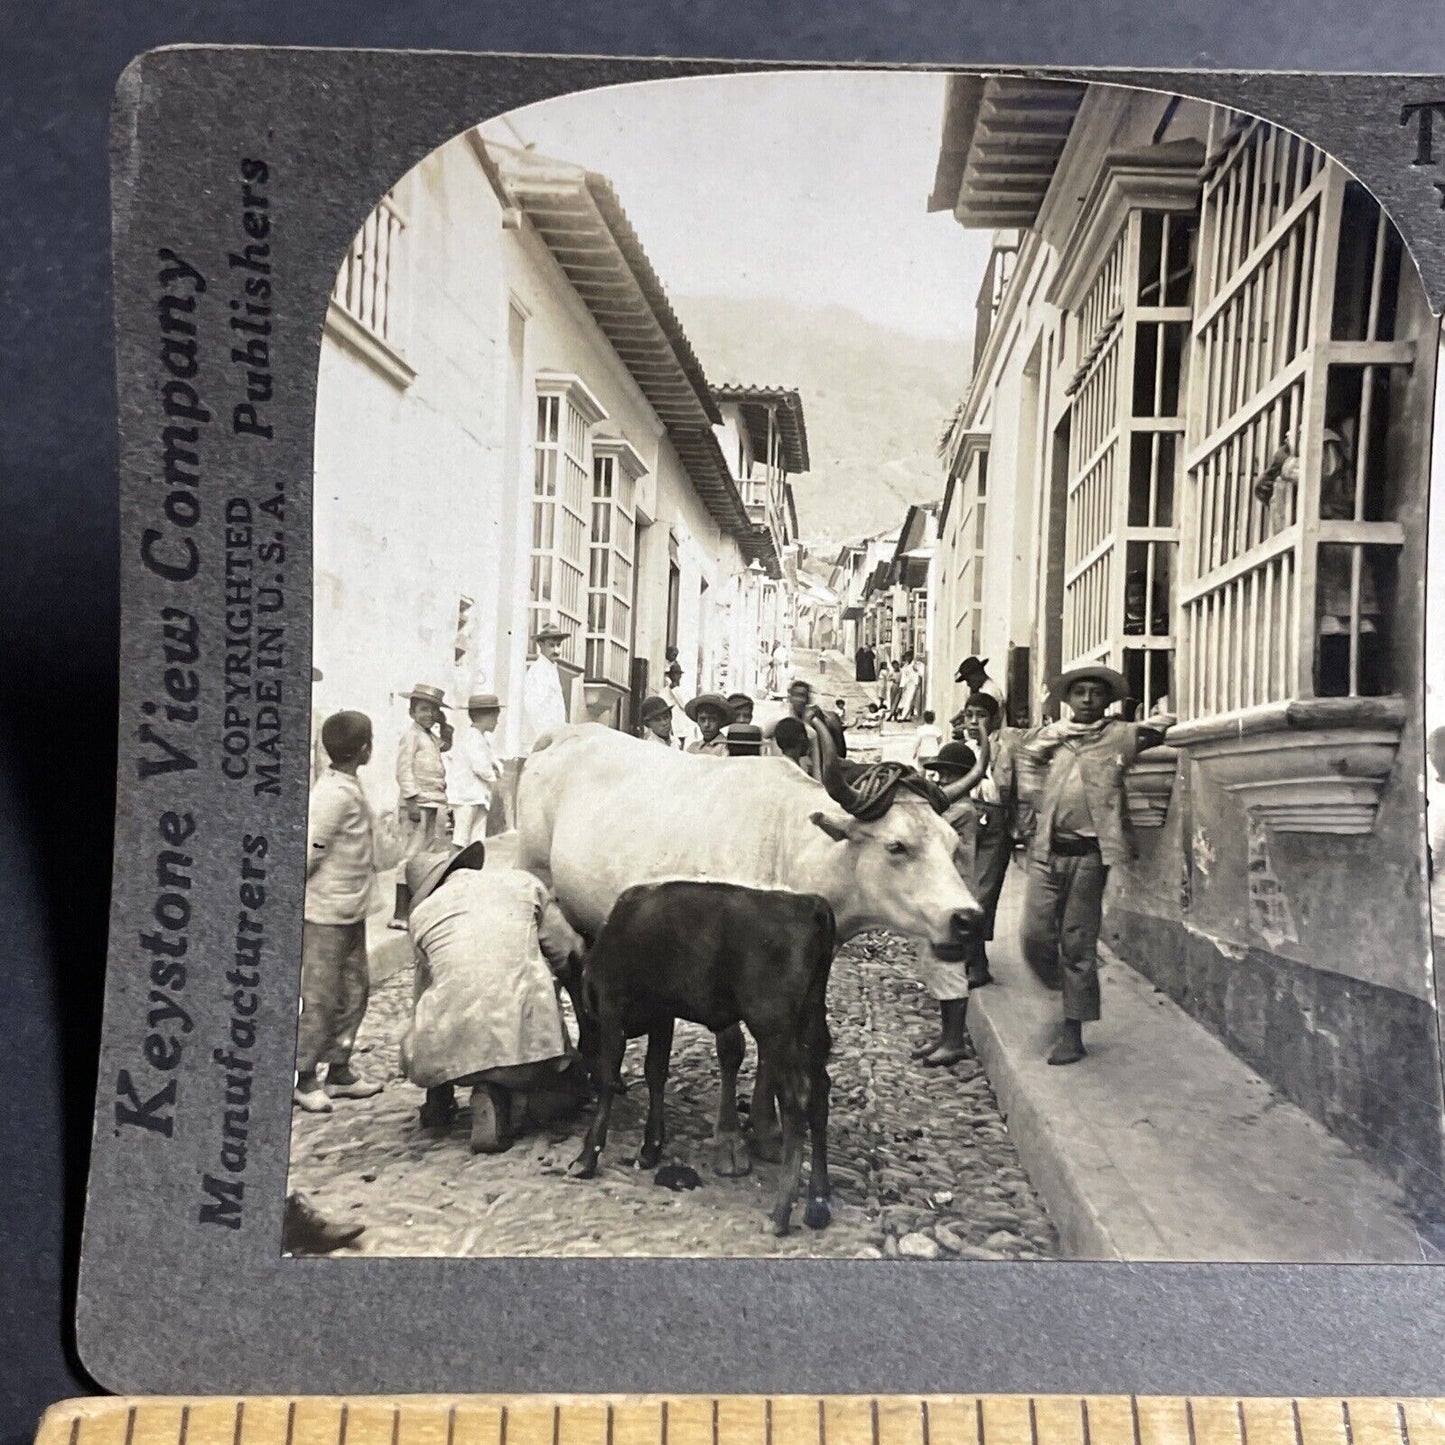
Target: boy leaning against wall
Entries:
(1072, 774)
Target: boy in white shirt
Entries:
(474, 771)
(926, 741)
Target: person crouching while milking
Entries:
(956, 769)
(1072, 773)
(485, 1012)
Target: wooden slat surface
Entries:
(745, 1420)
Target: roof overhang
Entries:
(1002, 139)
(579, 219)
(755, 402)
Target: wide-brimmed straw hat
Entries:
(484, 702)
(428, 871)
(712, 702)
(425, 692)
(1095, 672)
(552, 632)
(654, 706)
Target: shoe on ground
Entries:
(1067, 1051)
(307, 1231)
(946, 1055)
(929, 1046)
(313, 1101)
(354, 1089)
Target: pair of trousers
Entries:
(992, 853)
(335, 987)
(469, 823)
(1063, 911)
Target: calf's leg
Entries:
(819, 1212)
(611, 1045)
(659, 1053)
(767, 1139)
(729, 1153)
(792, 1086)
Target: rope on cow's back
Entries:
(871, 788)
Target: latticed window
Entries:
(1125, 441)
(968, 590)
(562, 507)
(1291, 552)
(615, 470)
(366, 286)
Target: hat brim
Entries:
(551, 634)
(427, 697)
(473, 856)
(1114, 681)
(710, 702)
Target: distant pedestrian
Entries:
(926, 741)
(973, 674)
(956, 769)
(656, 718)
(893, 679)
(544, 703)
(865, 665)
(683, 727)
(909, 679)
(710, 712)
(421, 783)
(344, 850)
(1073, 773)
(475, 771)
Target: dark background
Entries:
(58, 567)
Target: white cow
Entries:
(598, 811)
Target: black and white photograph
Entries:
(869, 689)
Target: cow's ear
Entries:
(838, 829)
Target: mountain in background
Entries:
(875, 401)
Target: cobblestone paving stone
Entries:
(922, 1163)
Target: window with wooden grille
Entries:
(1125, 436)
(1291, 550)
(562, 507)
(366, 286)
(971, 530)
(615, 471)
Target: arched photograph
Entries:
(869, 690)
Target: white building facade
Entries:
(1197, 449)
(512, 429)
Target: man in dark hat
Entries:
(1072, 773)
(421, 782)
(710, 713)
(344, 849)
(490, 944)
(656, 718)
(745, 740)
(741, 704)
(973, 673)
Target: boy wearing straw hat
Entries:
(421, 783)
(710, 713)
(475, 772)
(1073, 774)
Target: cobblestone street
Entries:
(922, 1163)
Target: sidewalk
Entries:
(1162, 1145)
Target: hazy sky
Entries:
(811, 186)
